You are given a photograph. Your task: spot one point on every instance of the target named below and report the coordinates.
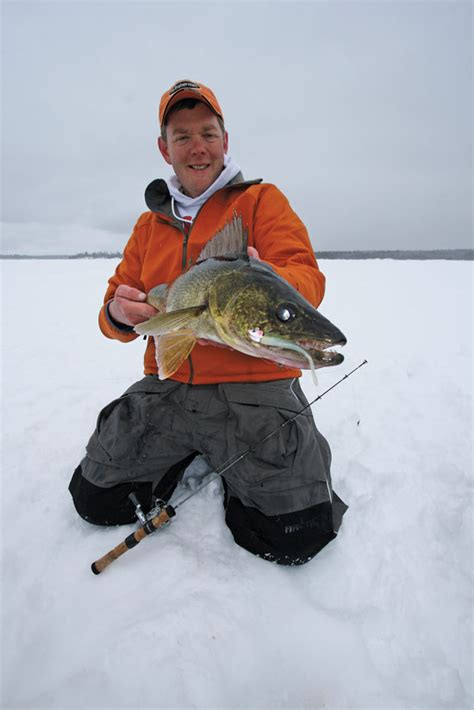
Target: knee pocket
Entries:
(288, 467)
(263, 417)
(128, 427)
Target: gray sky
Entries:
(359, 111)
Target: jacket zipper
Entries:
(186, 229)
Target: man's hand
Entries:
(253, 253)
(129, 306)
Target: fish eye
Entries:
(285, 312)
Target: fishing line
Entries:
(233, 460)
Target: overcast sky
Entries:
(359, 111)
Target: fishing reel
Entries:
(142, 517)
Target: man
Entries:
(278, 501)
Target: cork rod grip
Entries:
(132, 540)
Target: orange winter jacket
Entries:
(159, 250)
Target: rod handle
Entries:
(132, 540)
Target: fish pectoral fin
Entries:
(171, 350)
(168, 322)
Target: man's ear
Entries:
(163, 148)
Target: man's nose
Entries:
(198, 144)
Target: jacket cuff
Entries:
(113, 329)
(116, 324)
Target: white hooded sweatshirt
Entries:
(184, 206)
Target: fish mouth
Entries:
(321, 352)
(304, 353)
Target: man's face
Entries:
(195, 147)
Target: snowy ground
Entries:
(382, 618)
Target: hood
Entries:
(158, 198)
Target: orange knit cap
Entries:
(187, 90)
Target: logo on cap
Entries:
(183, 85)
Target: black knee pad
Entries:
(288, 539)
(107, 506)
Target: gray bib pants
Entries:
(279, 500)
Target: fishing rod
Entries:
(161, 515)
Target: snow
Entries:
(381, 618)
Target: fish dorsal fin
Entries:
(229, 243)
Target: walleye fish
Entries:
(241, 302)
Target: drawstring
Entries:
(181, 219)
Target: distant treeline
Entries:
(401, 254)
(81, 255)
(452, 254)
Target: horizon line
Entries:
(460, 254)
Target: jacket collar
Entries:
(158, 198)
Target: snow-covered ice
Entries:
(381, 618)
